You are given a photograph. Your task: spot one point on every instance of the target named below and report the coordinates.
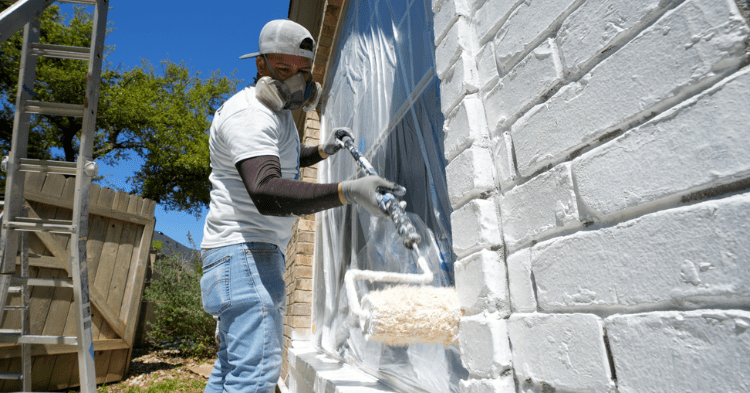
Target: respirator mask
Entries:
(291, 93)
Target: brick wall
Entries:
(299, 253)
(599, 173)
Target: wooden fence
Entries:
(121, 227)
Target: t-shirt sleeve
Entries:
(251, 133)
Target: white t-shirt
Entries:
(244, 128)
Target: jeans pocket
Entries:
(270, 265)
(215, 286)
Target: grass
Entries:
(167, 386)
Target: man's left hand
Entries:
(331, 146)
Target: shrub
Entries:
(181, 322)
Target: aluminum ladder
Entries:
(27, 14)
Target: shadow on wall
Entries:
(744, 6)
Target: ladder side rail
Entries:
(14, 184)
(19, 14)
(78, 261)
(25, 310)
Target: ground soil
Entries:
(151, 367)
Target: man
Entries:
(255, 161)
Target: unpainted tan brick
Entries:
(302, 271)
(333, 10)
(301, 322)
(307, 225)
(302, 297)
(305, 260)
(307, 237)
(301, 309)
(304, 284)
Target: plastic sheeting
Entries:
(382, 85)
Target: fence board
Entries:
(117, 364)
(41, 372)
(61, 373)
(131, 284)
(101, 360)
(94, 245)
(107, 259)
(121, 267)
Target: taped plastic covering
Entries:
(382, 84)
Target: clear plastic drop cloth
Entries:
(382, 84)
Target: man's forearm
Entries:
(276, 196)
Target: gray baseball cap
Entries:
(285, 37)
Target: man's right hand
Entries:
(363, 192)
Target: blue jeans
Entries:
(243, 284)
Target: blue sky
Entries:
(207, 37)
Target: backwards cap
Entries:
(285, 37)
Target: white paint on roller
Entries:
(403, 315)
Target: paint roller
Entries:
(411, 312)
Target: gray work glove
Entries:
(363, 192)
(331, 146)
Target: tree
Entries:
(161, 114)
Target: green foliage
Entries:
(161, 114)
(181, 322)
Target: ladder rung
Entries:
(54, 108)
(47, 166)
(61, 51)
(9, 376)
(32, 339)
(83, 2)
(42, 282)
(41, 225)
(15, 290)
(10, 331)
(17, 308)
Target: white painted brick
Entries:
(466, 126)
(543, 206)
(699, 144)
(684, 51)
(459, 38)
(506, 174)
(481, 283)
(522, 297)
(487, 68)
(312, 371)
(597, 26)
(446, 14)
(460, 80)
(692, 255)
(470, 175)
(524, 85)
(499, 385)
(483, 340)
(490, 16)
(559, 352)
(699, 351)
(436, 4)
(476, 226)
(527, 26)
